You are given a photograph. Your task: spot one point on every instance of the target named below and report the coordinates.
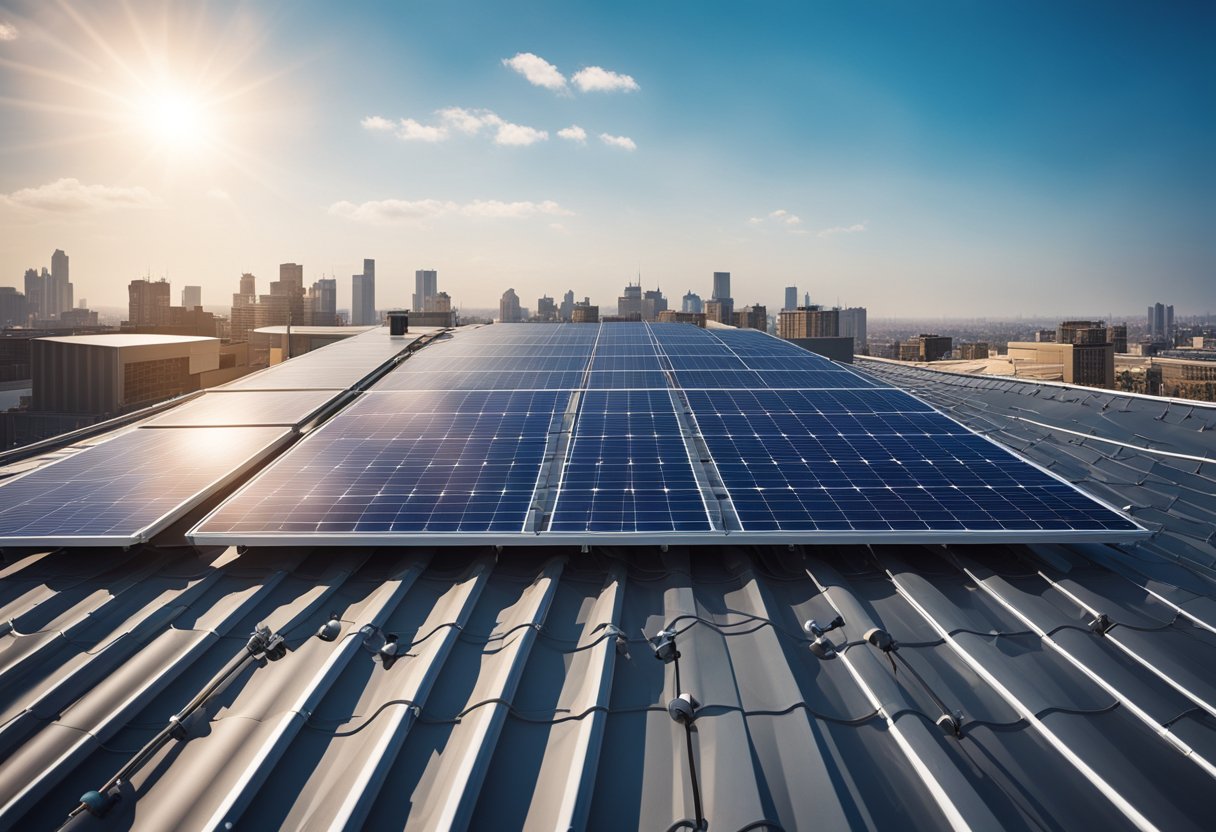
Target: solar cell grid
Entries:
(628, 470)
(371, 472)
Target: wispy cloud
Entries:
(71, 196)
(573, 133)
(378, 124)
(841, 229)
(458, 120)
(598, 79)
(400, 211)
(7, 31)
(537, 70)
(623, 142)
(780, 218)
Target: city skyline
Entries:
(864, 155)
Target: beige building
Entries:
(113, 374)
(808, 322)
(672, 316)
(1092, 365)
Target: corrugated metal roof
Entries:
(515, 705)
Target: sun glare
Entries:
(174, 119)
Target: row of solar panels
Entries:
(509, 433)
(126, 489)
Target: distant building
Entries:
(546, 309)
(566, 310)
(192, 296)
(508, 308)
(243, 316)
(1117, 335)
(324, 302)
(35, 287)
(725, 312)
(585, 313)
(148, 303)
(13, 308)
(629, 304)
(363, 296)
(791, 297)
(1045, 336)
(426, 286)
(1161, 324)
(671, 316)
(59, 291)
(105, 375)
(719, 311)
(1081, 332)
(691, 302)
(808, 322)
(973, 352)
(74, 318)
(752, 317)
(926, 347)
(853, 325)
(1089, 364)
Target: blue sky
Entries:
(959, 158)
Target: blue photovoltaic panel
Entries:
(124, 490)
(216, 408)
(453, 442)
(628, 469)
(402, 380)
(368, 472)
(787, 474)
(627, 380)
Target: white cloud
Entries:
(73, 196)
(219, 194)
(623, 142)
(377, 123)
(780, 218)
(7, 31)
(518, 135)
(414, 131)
(469, 122)
(399, 211)
(842, 229)
(537, 70)
(494, 208)
(573, 133)
(598, 79)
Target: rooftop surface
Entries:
(1028, 686)
(128, 339)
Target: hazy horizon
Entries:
(939, 161)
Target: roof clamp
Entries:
(331, 628)
(822, 646)
(950, 721)
(622, 642)
(1101, 625)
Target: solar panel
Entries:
(289, 408)
(367, 472)
(338, 366)
(671, 430)
(126, 489)
(628, 469)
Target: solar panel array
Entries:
(124, 490)
(634, 432)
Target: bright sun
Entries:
(174, 119)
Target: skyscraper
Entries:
(35, 288)
(723, 310)
(853, 325)
(692, 302)
(325, 302)
(192, 296)
(566, 311)
(148, 303)
(363, 296)
(426, 286)
(508, 308)
(791, 297)
(60, 294)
